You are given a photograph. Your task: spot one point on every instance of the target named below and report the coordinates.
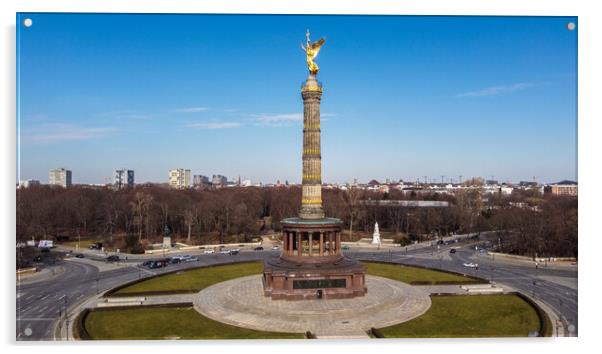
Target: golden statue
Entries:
(312, 50)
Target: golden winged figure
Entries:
(311, 50)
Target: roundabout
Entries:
(241, 302)
(227, 301)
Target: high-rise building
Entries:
(219, 180)
(60, 177)
(179, 178)
(200, 180)
(124, 178)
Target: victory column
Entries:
(311, 264)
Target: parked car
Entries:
(79, 255)
(37, 258)
(275, 248)
(258, 248)
(146, 263)
(345, 247)
(209, 251)
(113, 258)
(158, 264)
(453, 250)
(188, 258)
(174, 260)
(234, 252)
(95, 246)
(471, 265)
(225, 251)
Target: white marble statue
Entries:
(376, 235)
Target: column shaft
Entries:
(321, 244)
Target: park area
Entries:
(417, 276)
(505, 315)
(168, 323)
(190, 281)
(470, 316)
(195, 280)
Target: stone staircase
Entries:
(346, 334)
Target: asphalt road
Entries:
(41, 304)
(553, 285)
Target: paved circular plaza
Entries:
(240, 302)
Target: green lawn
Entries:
(168, 323)
(449, 316)
(415, 275)
(194, 280)
(191, 281)
(470, 316)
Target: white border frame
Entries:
(590, 115)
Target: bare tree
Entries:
(190, 218)
(351, 197)
(141, 206)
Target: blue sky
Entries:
(404, 97)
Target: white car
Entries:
(225, 251)
(471, 265)
(188, 258)
(209, 251)
(275, 247)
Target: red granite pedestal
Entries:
(311, 264)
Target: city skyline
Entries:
(117, 178)
(404, 97)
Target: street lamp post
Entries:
(66, 317)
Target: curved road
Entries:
(41, 304)
(556, 286)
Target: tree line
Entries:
(539, 224)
